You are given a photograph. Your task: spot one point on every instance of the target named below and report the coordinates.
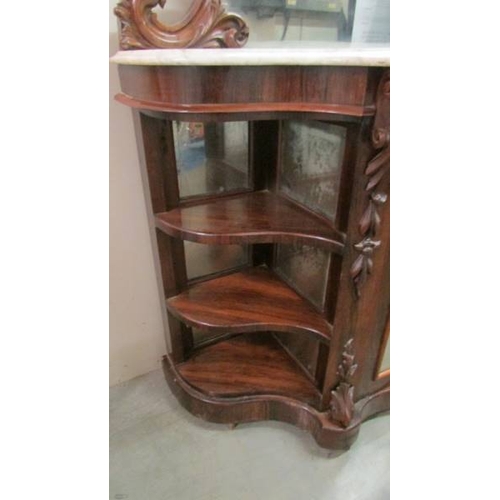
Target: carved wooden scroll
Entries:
(342, 402)
(378, 166)
(206, 24)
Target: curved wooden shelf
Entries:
(234, 396)
(253, 300)
(260, 217)
(248, 365)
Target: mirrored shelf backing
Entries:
(206, 260)
(211, 157)
(312, 154)
(304, 268)
(386, 359)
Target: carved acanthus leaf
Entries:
(342, 404)
(377, 167)
(206, 25)
(347, 367)
(342, 397)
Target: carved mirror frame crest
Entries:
(206, 25)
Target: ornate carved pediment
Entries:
(206, 24)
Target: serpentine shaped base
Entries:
(269, 407)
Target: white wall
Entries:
(136, 329)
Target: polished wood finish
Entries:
(268, 352)
(327, 434)
(244, 108)
(251, 300)
(156, 157)
(260, 217)
(361, 317)
(246, 366)
(218, 89)
(378, 166)
(342, 397)
(206, 24)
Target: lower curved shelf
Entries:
(217, 406)
(248, 365)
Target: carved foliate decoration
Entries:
(206, 25)
(378, 166)
(342, 397)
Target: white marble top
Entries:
(334, 55)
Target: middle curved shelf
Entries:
(258, 217)
(253, 300)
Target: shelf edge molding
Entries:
(357, 111)
(253, 300)
(259, 217)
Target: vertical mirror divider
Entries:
(263, 157)
(335, 266)
(264, 139)
(159, 176)
(314, 354)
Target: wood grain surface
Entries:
(260, 217)
(337, 90)
(206, 24)
(248, 365)
(257, 407)
(251, 300)
(244, 375)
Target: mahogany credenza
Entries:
(267, 179)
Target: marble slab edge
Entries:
(256, 57)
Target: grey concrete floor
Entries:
(158, 451)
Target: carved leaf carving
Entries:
(342, 404)
(366, 219)
(206, 25)
(342, 397)
(377, 162)
(378, 166)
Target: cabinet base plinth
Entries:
(254, 408)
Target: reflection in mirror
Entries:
(173, 12)
(385, 360)
(275, 23)
(305, 269)
(211, 158)
(312, 154)
(201, 336)
(202, 260)
(295, 20)
(385, 365)
(303, 348)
